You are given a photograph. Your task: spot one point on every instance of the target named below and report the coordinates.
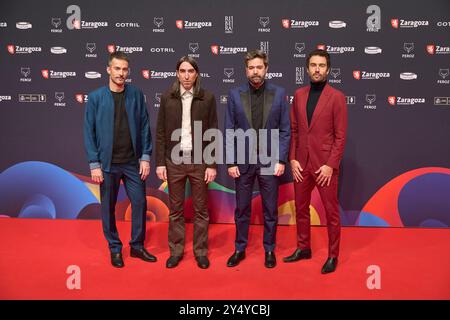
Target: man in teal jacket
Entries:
(118, 144)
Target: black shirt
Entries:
(314, 94)
(122, 145)
(257, 105)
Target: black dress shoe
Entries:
(330, 265)
(116, 260)
(298, 254)
(270, 261)
(142, 254)
(202, 262)
(237, 257)
(173, 261)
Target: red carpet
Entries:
(35, 254)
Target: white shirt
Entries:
(186, 134)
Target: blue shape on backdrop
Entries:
(425, 198)
(369, 220)
(36, 189)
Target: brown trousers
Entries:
(176, 179)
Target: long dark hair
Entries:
(193, 63)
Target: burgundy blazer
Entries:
(324, 139)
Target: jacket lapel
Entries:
(303, 101)
(245, 100)
(321, 104)
(268, 101)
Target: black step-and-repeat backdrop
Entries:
(390, 58)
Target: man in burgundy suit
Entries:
(318, 133)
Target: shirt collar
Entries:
(260, 89)
(183, 90)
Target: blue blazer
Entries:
(99, 126)
(239, 116)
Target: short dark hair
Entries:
(118, 55)
(250, 55)
(321, 53)
(193, 63)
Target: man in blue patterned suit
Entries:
(255, 108)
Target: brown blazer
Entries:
(170, 113)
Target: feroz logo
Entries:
(193, 46)
(179, 24)
(371, 98)
(56, 22)
(264, 21)
(444, 73)
(408, 46)
(394, 23)
(60, 97)
(158, 21)
(300, 46)
(215, 49)
(285, 23)
(392, 100)
(431, 49)
(146, 73)
(335, 73)
(228, 72)
(25, 71)
(90, 46)
(357, 74)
